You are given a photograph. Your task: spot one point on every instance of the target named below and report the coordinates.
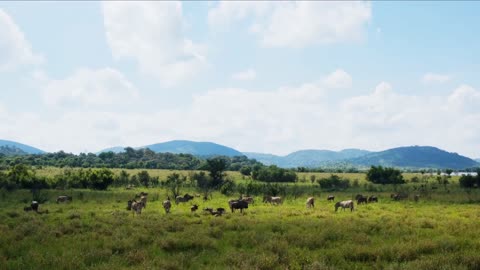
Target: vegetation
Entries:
(381, 175)
(95, 231)
(130, 159)
(273, 174)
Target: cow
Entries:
(33, 207)
(137, 207)
(64, 198)
(331, 198)
(185, 198)
(221, 210)
(194, 208)
(361, 200)
(238, 204)
(167, 205)
(372, 198)
(344, 204)
(272, 200)
(214, 213)
(249, 200)
(310, 202)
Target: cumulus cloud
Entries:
(89, 87)
(153, 36)
(15, 50)
(296, 24)
(433, 78)
(278, 121)
(246, 75)
(338, 79)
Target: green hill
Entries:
(415, 157)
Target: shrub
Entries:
(334, 182)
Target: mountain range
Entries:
(12, 148)
(404, 157)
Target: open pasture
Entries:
(95, 231)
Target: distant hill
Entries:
(21, 149)
(11, 151)
(115, 149)
(194, 148)
(415, 157)
(307, 158)
(477, 160)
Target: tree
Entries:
(246, 170)
(174, 183)
(381, 175)
(216, 168)
(467, 181)
(100, 179)
(334, 182)
(123, 178)
(144, 178)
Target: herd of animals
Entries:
(140, 202)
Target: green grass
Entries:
(96, 232)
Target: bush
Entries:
(334, 182)
(468, 181)
(381, 175)
(274, 174)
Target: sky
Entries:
(270, 77)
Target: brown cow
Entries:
(310, 202)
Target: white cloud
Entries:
(153, 36)
(338, 79)
(278, 121)
(15, 50)
(89, 87)
(246, 75)
(433, 78)
(296, 24)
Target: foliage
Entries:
(273, 174)
(174, 183)
(334, 182)
(129, 159)
(381, 175)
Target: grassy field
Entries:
(96, 232)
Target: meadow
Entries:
(95, 231)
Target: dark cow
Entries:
(372, 198)
(194, 208)
(331, 198)
(185, 198)
(239, 204)
(64, 198)
(361, 200)
(33, 207)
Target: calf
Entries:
(361, 200)
(331, 198)
(167, 205)
(310, 202)
(64, 198)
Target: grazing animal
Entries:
(272, 200)
(167, 205)
(372, 198)
(361, 200)
(310, 202)
(221, 210)
(34, 206)
(238, 204)
(185, 198)
(249, 200)
(64, 198)
(344, 204)
(143, 199)
(194, 208)
(212, 212)
(137, 207)
(331, 198)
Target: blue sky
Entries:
(257, 76)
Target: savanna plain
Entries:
(95, 231)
